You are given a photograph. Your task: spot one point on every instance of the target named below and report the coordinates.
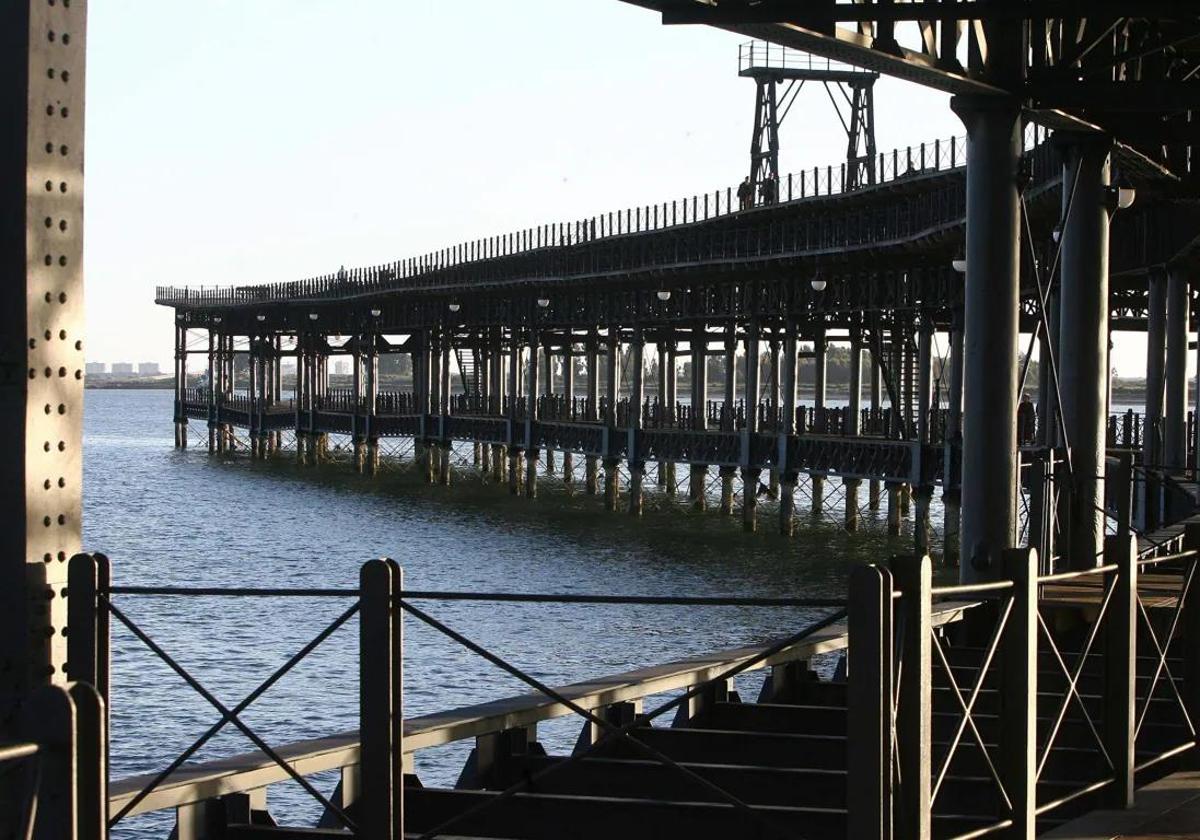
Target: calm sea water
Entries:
(188, 518)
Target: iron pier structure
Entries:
(1054, 678)
(538, 342)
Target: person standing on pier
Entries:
(1026, 421)
(745, 194)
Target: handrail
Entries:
(1059, 577)
(17, 752)
(252, 770)
(912, 162)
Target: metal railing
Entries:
(431, 269)
(1047, 742)
(764, 54)
(378, 602)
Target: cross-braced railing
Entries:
(376, 809)
(1052, 695)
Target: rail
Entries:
(415, 273)
(60, 747)
(1067, 749)
(378, 602)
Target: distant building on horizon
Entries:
(95, 368)
(148, 369)
(122, 369)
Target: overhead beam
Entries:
(823, 14)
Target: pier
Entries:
(1054, 684)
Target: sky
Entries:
(247, 141)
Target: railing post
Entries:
(1120, 668)
(913, 576)
(1122, 488)
(1019, 685)
(48, 720)
(381, 718)
(91, 762)
(869, 714)
(1191, 628)
(87, 623)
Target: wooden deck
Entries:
(1168, 809)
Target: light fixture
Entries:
(312, 316)
(261, 317)
(1056, 234)
(543, 302)
(959, 264)
(818, 283)
(664, 294)
(1125, 197)
(217, 320)
(375, 313)
(454, 307)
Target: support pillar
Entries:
(750, 499)
(591, 475)
(989, 466)
(1083, 338)
(951, 477)
(1175, 409)
(515, 470)
(548, 374)
(637, 474)
(851, 487)
(637, 396)
(727, 475)
(787, 504)
(531, 417)
(729, 421)
(893, 509)
(1152, 432)
(698, 473)
(924, 399)
(875, 486)
(820, 369)
(612, 484)
(921, 524)
(671, 416)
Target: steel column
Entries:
(1175, 409)
(41, 334)
(698, 473)
(1083, 338)
(989, 458)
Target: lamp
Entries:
(217, 319)
(454, 307)
(1125, 197)
(261, 317)
(664, 294)
(818, 283)
(375, 313)
(959, 264)
(1056, 234)
(312, 316)
(543, 302)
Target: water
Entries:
(187, 518)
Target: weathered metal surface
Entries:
(41, 333)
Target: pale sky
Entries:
(238, 141)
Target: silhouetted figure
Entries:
(769, 190)
(745, 194)
(1026, 421)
